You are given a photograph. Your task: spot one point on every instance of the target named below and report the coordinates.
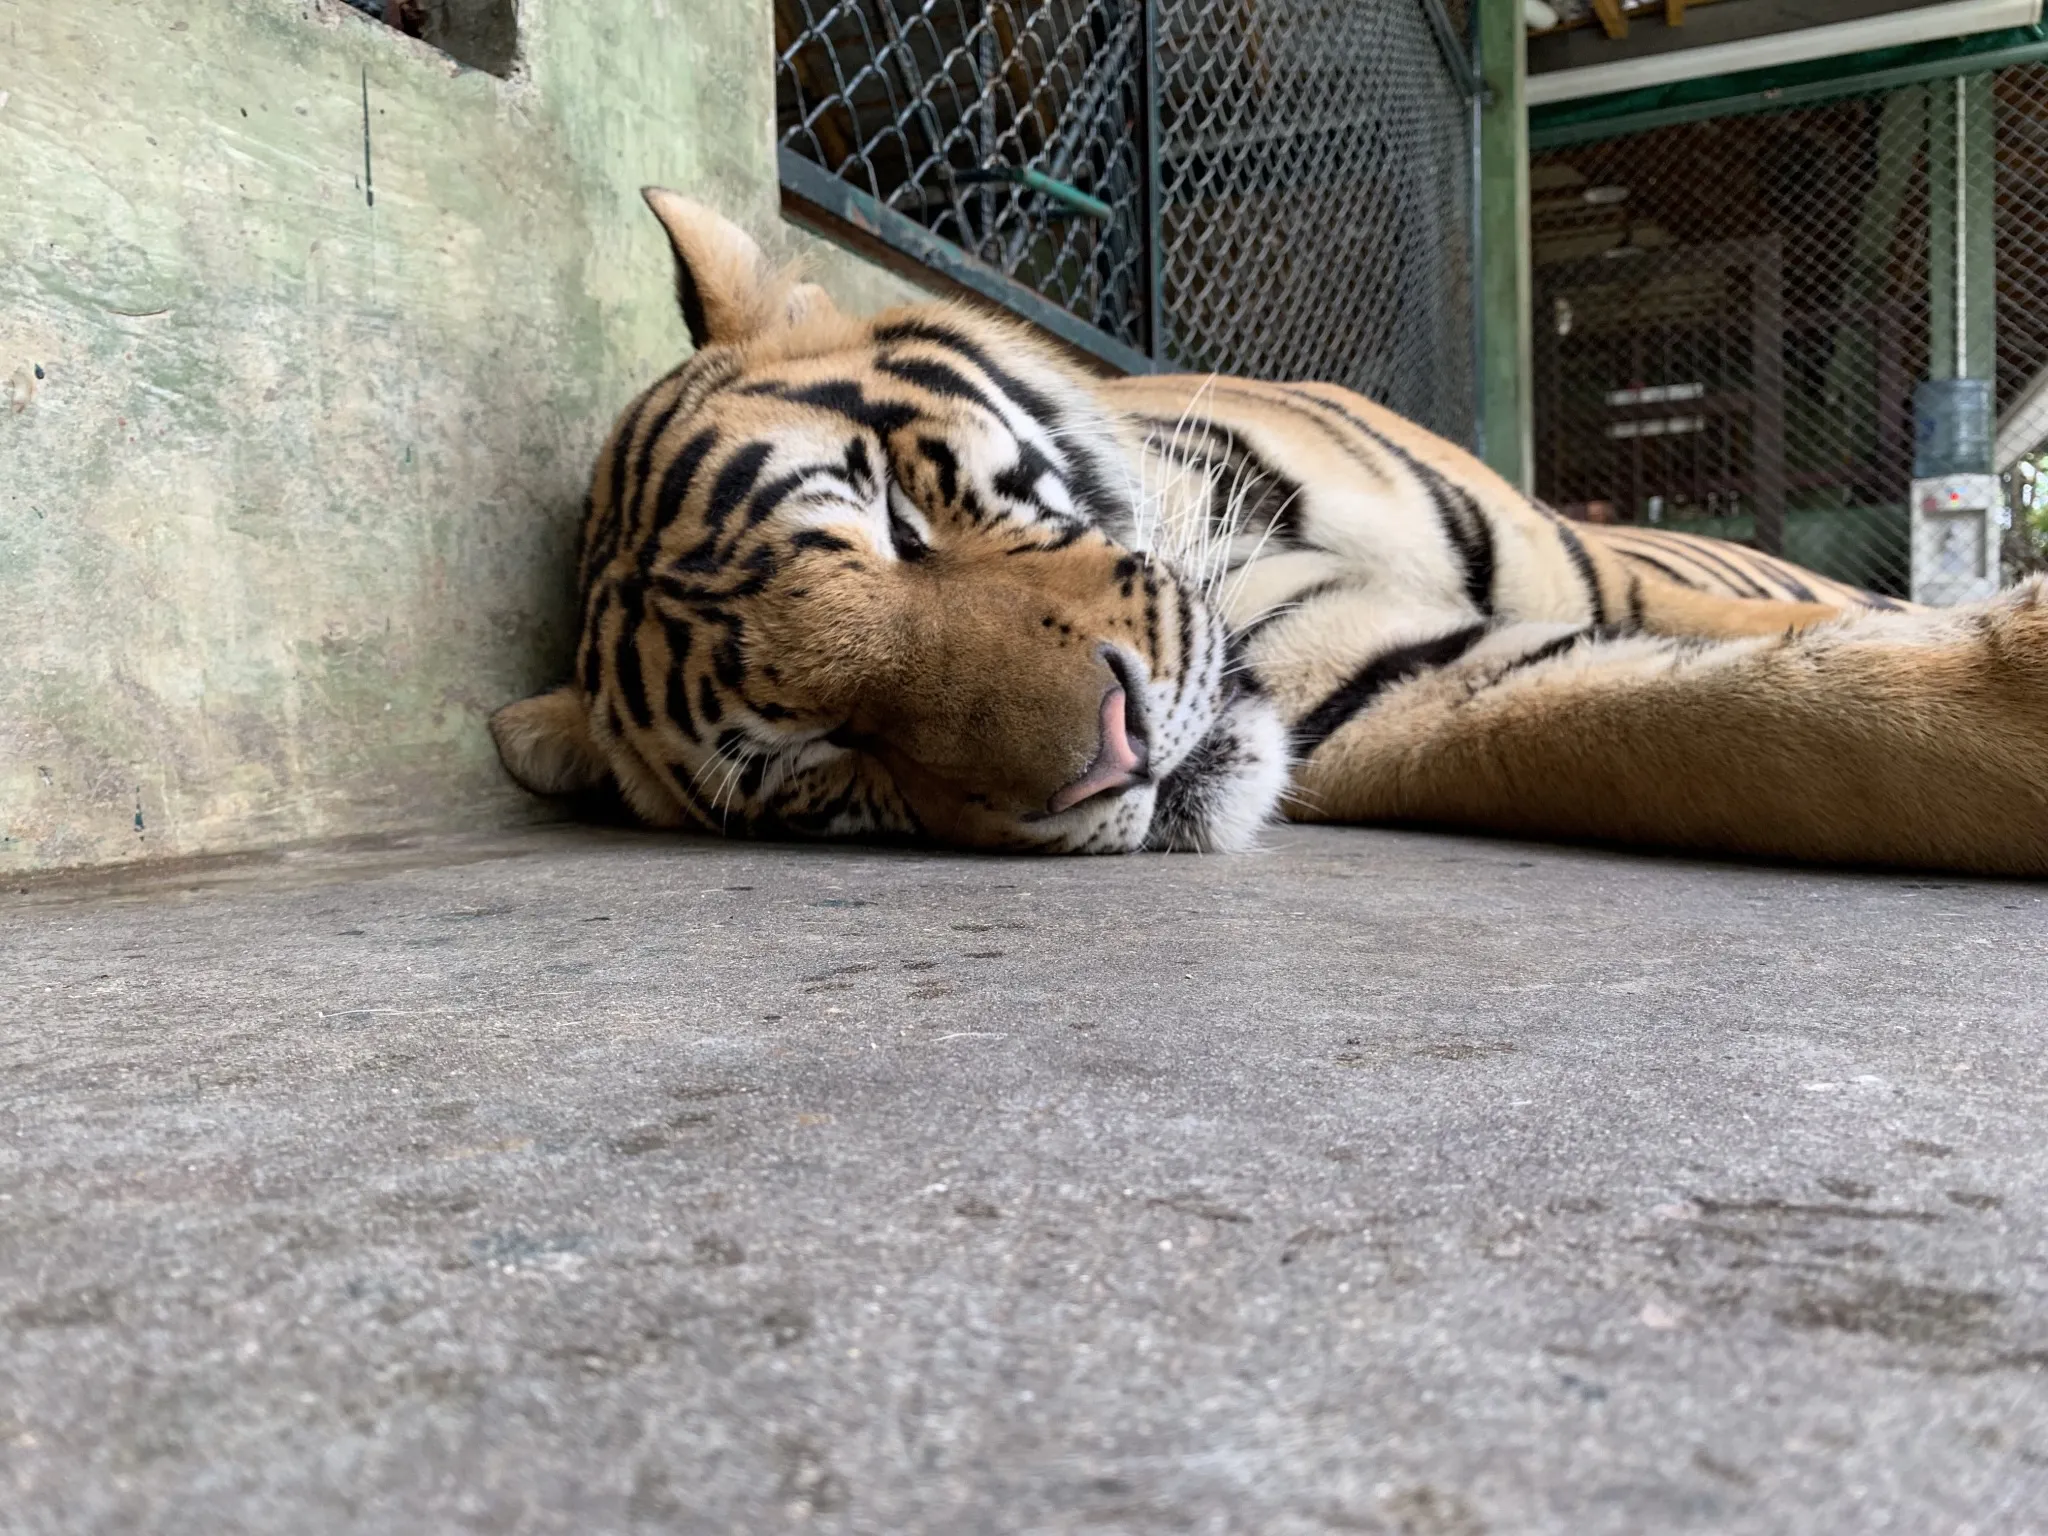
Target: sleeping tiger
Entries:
(917, 576)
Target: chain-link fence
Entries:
(1316, 188)
(1279, 188)
(2020, 106)
(1013, 132)
(1731, 315)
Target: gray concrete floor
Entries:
(589, 1182)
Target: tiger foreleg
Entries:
(1917, 739)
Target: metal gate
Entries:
(1277, 188)
(1731, 315)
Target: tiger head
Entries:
(889, 577)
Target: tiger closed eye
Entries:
(908, 543)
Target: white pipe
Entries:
(1922, 24)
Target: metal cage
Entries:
(1732, 314)
(1277, 188)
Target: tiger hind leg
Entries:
(1904, 739)
(1666, 608)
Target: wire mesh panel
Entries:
(1730, 319)
(2020, 99)
(1278, 188)
(1005, 129)
(1316, 200)
(1731, 316)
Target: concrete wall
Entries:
(291, 444)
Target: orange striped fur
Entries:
(916, 576)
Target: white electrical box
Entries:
(1955, 539)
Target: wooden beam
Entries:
(1674, 13)
(1611, 20)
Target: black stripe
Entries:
(1576, 550)
(727, 662)
(622, 448)
(818, 818)
(1037, 403)
(938, 379)
(817, 538)
(860, 469)
(604, 528)
(1464, 522)
(597, 606)
(761, 506)
(1658, 565)
(1185, 663)
(1277, 502)
(644, 461)
(1710, 559)
(626, 657)
(1091, 483)
(677, 478)
(1345, 445)
(946, 463)
(1238, 663)
(689, 300)
(1017, 480)
(1545, 651)
(684, 782)
(843, 396)
(1470, 534)
(1292, 605)
(1799, 590)
(1068, 533)
(1635, 601)
(1375, 678)
(756, 571)
(601, 540)
(678, 693)
(735, 482)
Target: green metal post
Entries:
(1505, 424)
(1961, 254)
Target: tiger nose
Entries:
(1119, 760)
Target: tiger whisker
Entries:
(733, 757)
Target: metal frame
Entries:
(814, 195)
(1502, 275)
(1779, 98)
(900, 239)
(1148, 92)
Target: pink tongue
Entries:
(1115, 765)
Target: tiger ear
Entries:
(722, 279)
(544, 742)
(807, 303)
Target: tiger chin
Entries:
(891, 577)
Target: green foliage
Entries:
(2025, 547)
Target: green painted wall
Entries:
(290, 454)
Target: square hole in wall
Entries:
(483, 34)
